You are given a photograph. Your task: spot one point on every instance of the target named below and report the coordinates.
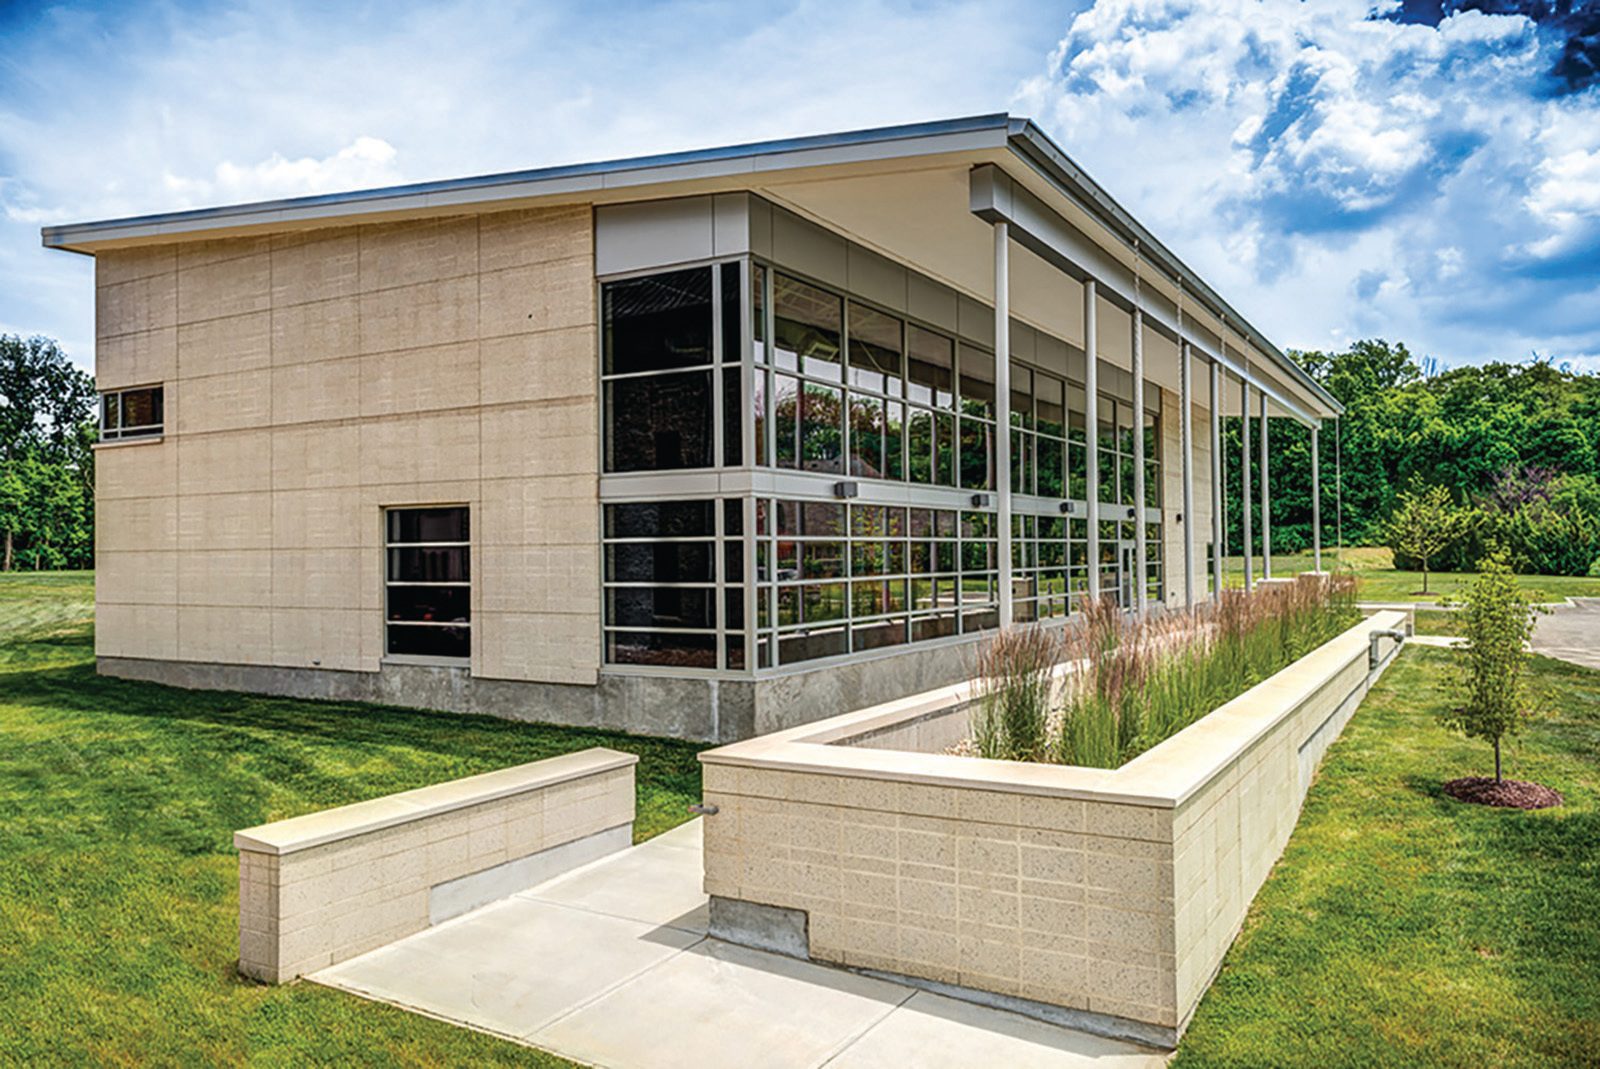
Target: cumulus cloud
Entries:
(364, 163)
(1348, 174)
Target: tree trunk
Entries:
(1497, 760)
(8, 552)
(1424, 576)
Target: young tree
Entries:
(46, 429)
(1491, 700)
(1425, 523)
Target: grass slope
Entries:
(118, 880)
(1404, 928)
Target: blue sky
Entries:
(1429, 174)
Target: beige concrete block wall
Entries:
(324, 887)
(1053, 899)
(1113, 892)
(314, 378)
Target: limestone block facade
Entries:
(314, 380)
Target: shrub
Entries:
(1490, 701)
(1015, 671)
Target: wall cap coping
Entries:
(362, 818)
(1163, 777)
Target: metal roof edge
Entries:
(61, 235)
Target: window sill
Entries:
(119, 443)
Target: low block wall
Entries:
(1103, 899)
(323, 887)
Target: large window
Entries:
(428, 583)
(138, 413)
(662, 583)
(836, 578)
(662, 341)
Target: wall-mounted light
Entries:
(980, 501)
(848, 488)
(1069, 507)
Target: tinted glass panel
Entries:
(141, 408)
(664, 648)
(429, 525)
(875, 345)
(659, 322)
(809, 324)
(659, 422)
(929, 367)
(435, 564)
(660, 519)
(425, 641)
(730, 313)
(660, 562)
(430, 604)
(665, 607)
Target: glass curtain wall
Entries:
(835, 387)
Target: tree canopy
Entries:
(47, 430)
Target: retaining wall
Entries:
(320, 888)
(1103, 899)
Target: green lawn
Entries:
(1379, 581)
(1404, 928)
(118, 880)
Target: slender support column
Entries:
(1316, 502)
(1217, 542)
(1186, 449)
(1002, 411)
(1266, 500)
(1141, 595)
(1091, 421)
(1244, 484)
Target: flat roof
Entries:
(998, 130)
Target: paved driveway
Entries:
(610, 966)
(1570, 632)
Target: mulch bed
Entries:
(1510, 793)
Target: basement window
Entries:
(428, 583)
(135, 413)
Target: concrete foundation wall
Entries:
(313, 379)
(320, 888)
(1113, 893)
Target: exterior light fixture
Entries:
(1068, 508)
(980, 501)
(848, 488)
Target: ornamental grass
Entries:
(1134, 682)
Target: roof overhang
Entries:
(1009, 169)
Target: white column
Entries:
(1002, 411)
(1316, 502)
(1186, 450)
(1216, 482)
(1266, 500)
(1091, 420)
(1244, 483)
(1140, 585)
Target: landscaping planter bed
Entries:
(1103, 898)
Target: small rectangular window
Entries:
(428, 583)
(136, 413)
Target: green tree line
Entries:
(1517, 447)
(47, 431)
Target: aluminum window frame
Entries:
(440, 660)
(123, 432)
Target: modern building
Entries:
(703, 444)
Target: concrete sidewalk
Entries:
(610, 965)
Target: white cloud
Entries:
(1343, 174)
(364, 163)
